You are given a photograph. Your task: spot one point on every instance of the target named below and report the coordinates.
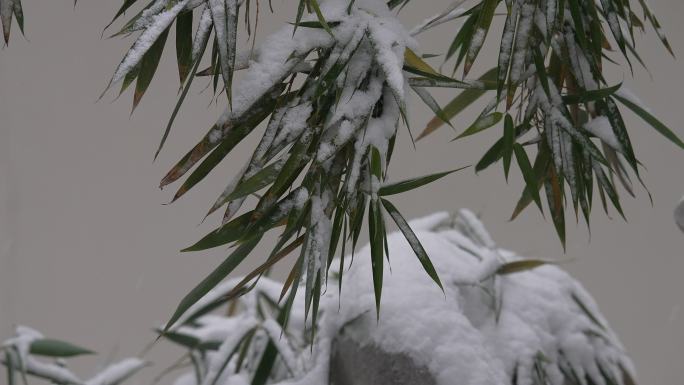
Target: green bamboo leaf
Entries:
(184, 45)
(414, 183)
(230, 232)
(555, 200)
(528, 173)
(432, 103)
(376, 236)
(184, 93)
(413, 241)
(508, 142)
(256, 182)
(650, 119)
(148, 67)
(522, 265)
(458, 104)
(481, 124)
(189, 341)
(315, 24)
(9, 364)
(586, 311)
(321, 18)
(124, 7)
(56, 348)
(213, 279)
(592, 95)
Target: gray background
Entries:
(89, 253)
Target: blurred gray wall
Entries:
(89, 253)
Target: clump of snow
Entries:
(600, 127)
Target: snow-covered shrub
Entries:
(501, 319)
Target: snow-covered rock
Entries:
(501, 319)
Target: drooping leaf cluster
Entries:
(562, 121)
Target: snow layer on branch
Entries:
(601, 128)
(115, 373)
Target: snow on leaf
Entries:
(158, 24)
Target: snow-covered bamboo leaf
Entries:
(117, 373)
(56, 348)
(159, 23)
(656, 26)
(481, 124)
(506, 46)
(650, 119)
(484, 21)
(219, 362)
(458, 104)
(429, 101)
(463, 37)
(148, 67)
(10, 8)
(414, 183)
(124, 7)
(220, 272)
(221, 138)
(413, 241)
(224, 14)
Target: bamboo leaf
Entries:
(414, 183)
(508, 142)
(56, 348)
(528, 173)
(521, 266)
(458, 104)
(230, 232)
(650, 119)
(591, 95)
(481, 124)
(413, 241)
(376, 247)
(484, 21)
(213, 279)
(184, 45)
(148, 67)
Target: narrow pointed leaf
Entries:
(411, 184)
(481, 124)
(413, 241)
(214, 278)
(56, 348)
